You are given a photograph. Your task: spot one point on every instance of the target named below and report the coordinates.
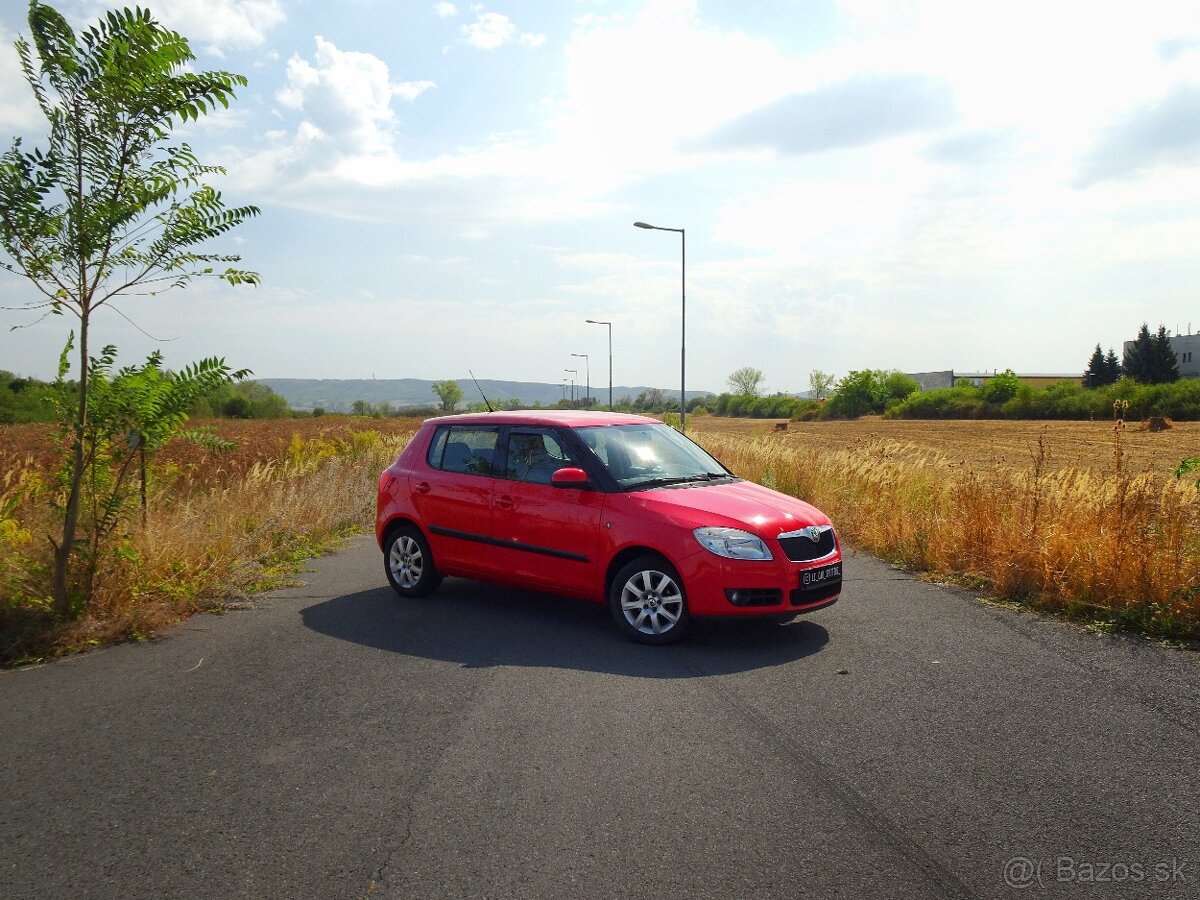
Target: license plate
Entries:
(810, 579)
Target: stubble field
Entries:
(990, 445)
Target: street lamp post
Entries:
(587, 364)
(609, 324)
(682, 314)
(574, 375)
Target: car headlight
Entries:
(732, 543)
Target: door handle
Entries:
(422, 487)
(504, 502)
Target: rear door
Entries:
(453, 496)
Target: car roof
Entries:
(566, 418)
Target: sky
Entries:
(917, 185)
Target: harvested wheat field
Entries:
(990, 444)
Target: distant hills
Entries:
(339, 394)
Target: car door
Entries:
(453, 497)
(548, 536)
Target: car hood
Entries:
(737, 504)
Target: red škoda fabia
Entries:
(613, 508)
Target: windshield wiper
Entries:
(662, 481)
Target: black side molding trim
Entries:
(512, 545)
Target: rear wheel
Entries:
(647, 601)
(408, 562)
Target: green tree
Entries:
(896, 386)
(243, 400)
(25, 399)
(134, 413)
(108, 207)
(449, 393)
(1103, 369)
(857, 394)
(1165, 364)
(1096, 372)
(652, 400)
(869, 391)
(1150, 359)
(1112, 367)
(819, 384)
(745, 380)
(1138, 356)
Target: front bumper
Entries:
(720, 587)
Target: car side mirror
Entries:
(569, 477)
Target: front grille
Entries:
(799, 547)
(816, 595)
(754, 596)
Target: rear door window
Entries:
(470, 449)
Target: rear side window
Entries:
(464, 448)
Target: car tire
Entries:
(648, 602)
(408, 562)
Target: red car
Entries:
(613, 508)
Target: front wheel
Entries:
(647, 601)
(408, 563)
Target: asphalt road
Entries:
(335, 741)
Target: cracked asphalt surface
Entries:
(336, 741)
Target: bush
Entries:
(1000, 388)
(856, 395)
(25, 399)
(962, 402)
(1178, 400)
(244, 400)
(869, 391)
(807, 411)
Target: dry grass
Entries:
(1067, 517)
(220, 526)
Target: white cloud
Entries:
(445, 10)
(236, 24)
(347, 97)
(491, 30)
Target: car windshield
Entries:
(640, 456)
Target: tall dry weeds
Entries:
(212, 537)
(1119, 547)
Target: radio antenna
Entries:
(481, 393)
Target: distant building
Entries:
(930, 380)
(1187, 353)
